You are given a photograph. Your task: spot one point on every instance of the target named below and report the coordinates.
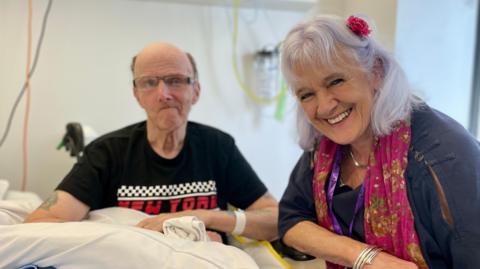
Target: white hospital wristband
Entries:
(240, 222)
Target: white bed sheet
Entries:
(105, 240)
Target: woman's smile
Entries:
(340, 117)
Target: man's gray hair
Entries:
(325, 41)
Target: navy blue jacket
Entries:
(443, 187)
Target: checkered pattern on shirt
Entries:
(167, 190)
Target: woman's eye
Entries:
(305, 96)
(336, 82)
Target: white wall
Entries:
(381, 12)
(384, 15)
(435, 44)
(83, 75)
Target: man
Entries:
(166, 166)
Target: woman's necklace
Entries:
(355, 162)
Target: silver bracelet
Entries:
(366, 257)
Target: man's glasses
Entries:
(173, 82)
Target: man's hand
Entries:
(156, 223)
(261, 219)
(214, 236)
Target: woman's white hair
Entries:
(325, 41)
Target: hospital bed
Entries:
(108, 239)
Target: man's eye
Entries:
(150, 83)
(174, 81)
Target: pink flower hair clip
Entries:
(358, 26)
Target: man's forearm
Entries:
(59, 207)
(42, 216)
(261, 224)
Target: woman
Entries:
(385, 180)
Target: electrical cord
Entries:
(28, 92)
(32, 70)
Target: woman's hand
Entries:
(384, 260)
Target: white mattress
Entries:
(105, 240)
(108, 240)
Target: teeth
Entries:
(340, 117)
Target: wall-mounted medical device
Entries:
(267, 73)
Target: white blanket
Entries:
(188, 227)
(104, 241)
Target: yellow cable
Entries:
(275, 254)
(266, 244)
(249, 92)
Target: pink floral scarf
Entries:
(388, 218)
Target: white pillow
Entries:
(99, 245)
(15, 211)
(117, 215)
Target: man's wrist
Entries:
(240, 222)
(207, 217)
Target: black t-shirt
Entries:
(121, 169)
(344, 201)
